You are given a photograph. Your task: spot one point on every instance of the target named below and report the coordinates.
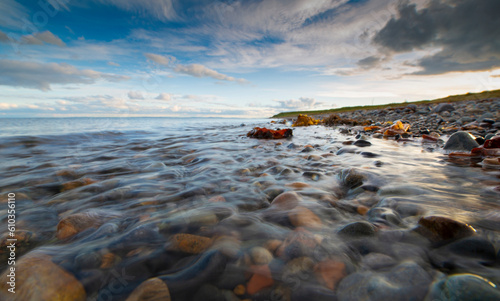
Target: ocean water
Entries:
(141, 181)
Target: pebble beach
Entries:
(387, 204)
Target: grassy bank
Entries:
(451, 98)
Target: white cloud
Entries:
(3, 37)
(164, 96)
(135, 95)
(159, 59)
(41, 76)
(7, 106)
(113, 64)
(39, 38)
(301, 103)
(198, 70)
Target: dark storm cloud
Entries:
(466, 31)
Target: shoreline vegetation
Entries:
(448, 99)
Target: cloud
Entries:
(159, 59)
(164, 96)
(465, 32)
(41, 76)
(3, 37)
(198, 70)
(39, 38)
(135, 95)
(369, 62)
(301, 103)
(7, 106)
(113, 64)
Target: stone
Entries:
(298, 243)
(78, 222)
(260, 279)
(240, 290)
(376, 261)
(384, 215)
(77, 183)
(298, 185)
(404, 282)
(357, 229)
(443, 107)
(303, 217)
(297, 270)
(260, 256)
(350, 178)
(189, 243)
(208, 292)
(286, 201)
(362, 143)
(330, 272)
(38, 278)
(153, 289)
(440, 229)
(460, 142)
(463, 287)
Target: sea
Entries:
(205, 177)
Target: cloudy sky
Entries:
(240, 58)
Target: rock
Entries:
(460, 142)
(239, 290)
(77, 183)
(78, 222)
(350, 178)
(443, 107)
(439, 229)
(405, 282)
(286, 201)
(362, 143)
(260, 279)
(297, 269)
(189, 243)
(298, 243)
(375, 261)
(357, 229)
(260, 256)
(330, 272)
(38, 278)
(153, 289)
(463, 287)
(303, 217)
(384, 215)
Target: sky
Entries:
(240, 58)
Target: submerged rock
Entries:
(463, 287)
(405, 282)
(439, 229)
(153, 289)
(38, 278)
(76, 223)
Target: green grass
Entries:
(451, 98)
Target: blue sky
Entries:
(239, 58)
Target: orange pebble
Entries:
(260, 279)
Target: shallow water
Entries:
(147, 179)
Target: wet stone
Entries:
(153, 289)
(260, 256)
(461, 142)
(463, 287)
(79, 222)
(357, 229)
(189, 243)
(439, 229)
(38, 278)
(405, 282)
(350, 178)
(362, 143)
(304, 217)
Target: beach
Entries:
(374, 205)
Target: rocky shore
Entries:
(396, 204)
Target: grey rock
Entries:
(357, 229)
(461, 142)
(405, 282)
(463, 287)
(443, 107)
